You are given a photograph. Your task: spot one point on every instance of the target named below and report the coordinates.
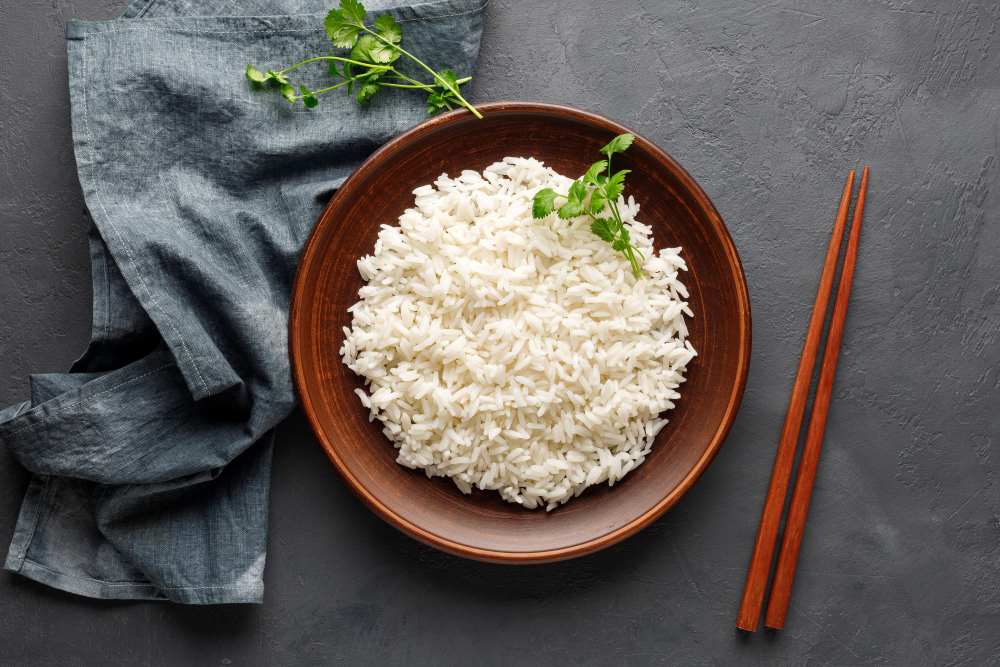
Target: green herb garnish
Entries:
(369, 67)
(592, 194)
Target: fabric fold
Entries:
(151, 458)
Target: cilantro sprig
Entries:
(594, 194)
(371, 64)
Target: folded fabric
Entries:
(150, 459)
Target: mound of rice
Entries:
(515, 354)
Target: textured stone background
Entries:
(768, 104)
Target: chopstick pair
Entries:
(770, 519)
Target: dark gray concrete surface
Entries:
(767, 104)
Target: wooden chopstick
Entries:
(770, 518)
(784, 574)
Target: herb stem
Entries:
(421, 86)
(371, 66)
(417, 84)
(402, 77)
(331, 88)
(348, 61)
(413, 83)
(437, 77)
(630, 250)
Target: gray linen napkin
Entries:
(151, 457)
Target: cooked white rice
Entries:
(515, 354)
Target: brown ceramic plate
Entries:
(481, 525)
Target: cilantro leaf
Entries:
(436, 103)
(571, 209)
(366, 91)
(255, 75)
(595, 170)
(544, 202)
(450, 78)
(383, 53)
(362, 49)
(597, 202)
(603, 227)
(277, 77)
(574, 205)
(618, 145)
(308, 98)
(616, 185)
(343, 25)
(387, 27)
(370, 49)
(577, 192)
(353, 10)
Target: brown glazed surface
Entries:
(481, 525)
